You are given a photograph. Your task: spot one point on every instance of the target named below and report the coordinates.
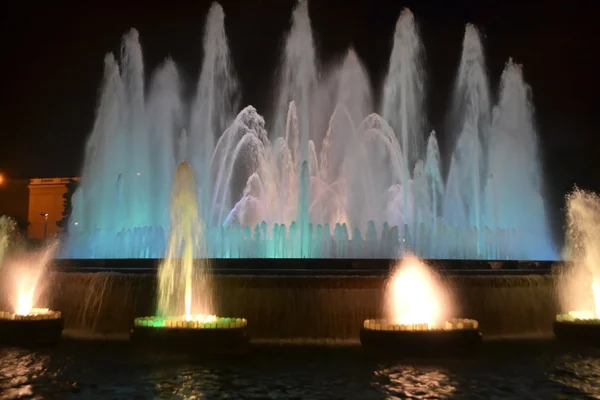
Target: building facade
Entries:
(46, 206)
(14, 198)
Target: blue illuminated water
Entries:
(328, 177)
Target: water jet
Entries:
(417, 319)
(184, 320)
(23, 276)
(329, 177)
(579, 287)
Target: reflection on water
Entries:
(95, 370)
(415, 382)
(30, 375)
(581, 372)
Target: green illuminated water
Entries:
(184, 286)
(174, 322)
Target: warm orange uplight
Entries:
(415, 295)
(1, 179)
(24, 302)
(26, 277)
(579, 287)
(200, 318)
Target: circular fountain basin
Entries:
(577, 328)
(454, 337)
(178, 334)
(38, 328)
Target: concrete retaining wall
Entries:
(302, 307)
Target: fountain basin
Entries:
(39, 328)
(569, 327)
(455, 337)
(177, 334)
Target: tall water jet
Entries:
(184, 286)
(354, 89)
(580, 287)
(136, 211)
(335, 181)
(462, 206)
(217, 99)
(513, 137)
(185, 298)
(297, 80)
(117, 173)
(579, 284)
(403, 94)
(433, 172)
(165, 120)
(294, 109)
(403, 90)
(105, 154)
(354, 98)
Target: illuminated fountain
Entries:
(23, 283)
(184, 309)
(327, 177)
(418, 315)
(579, 286)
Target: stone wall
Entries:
(302, 307)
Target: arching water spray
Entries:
(215, 105)
(367, 190)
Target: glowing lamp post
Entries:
(45, 215)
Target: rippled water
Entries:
(529, 369)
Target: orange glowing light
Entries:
(26, 276)
(24, 302)
(200, 318)
(415, 295)
(579, 287)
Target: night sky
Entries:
(53, 61)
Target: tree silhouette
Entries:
(21, 224)
(72, 185)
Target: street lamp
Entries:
(45, 215)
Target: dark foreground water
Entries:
(530, 369)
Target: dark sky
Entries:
(53, 60)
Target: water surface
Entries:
(513, 369)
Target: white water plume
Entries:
(328, 177)
(579, 288)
